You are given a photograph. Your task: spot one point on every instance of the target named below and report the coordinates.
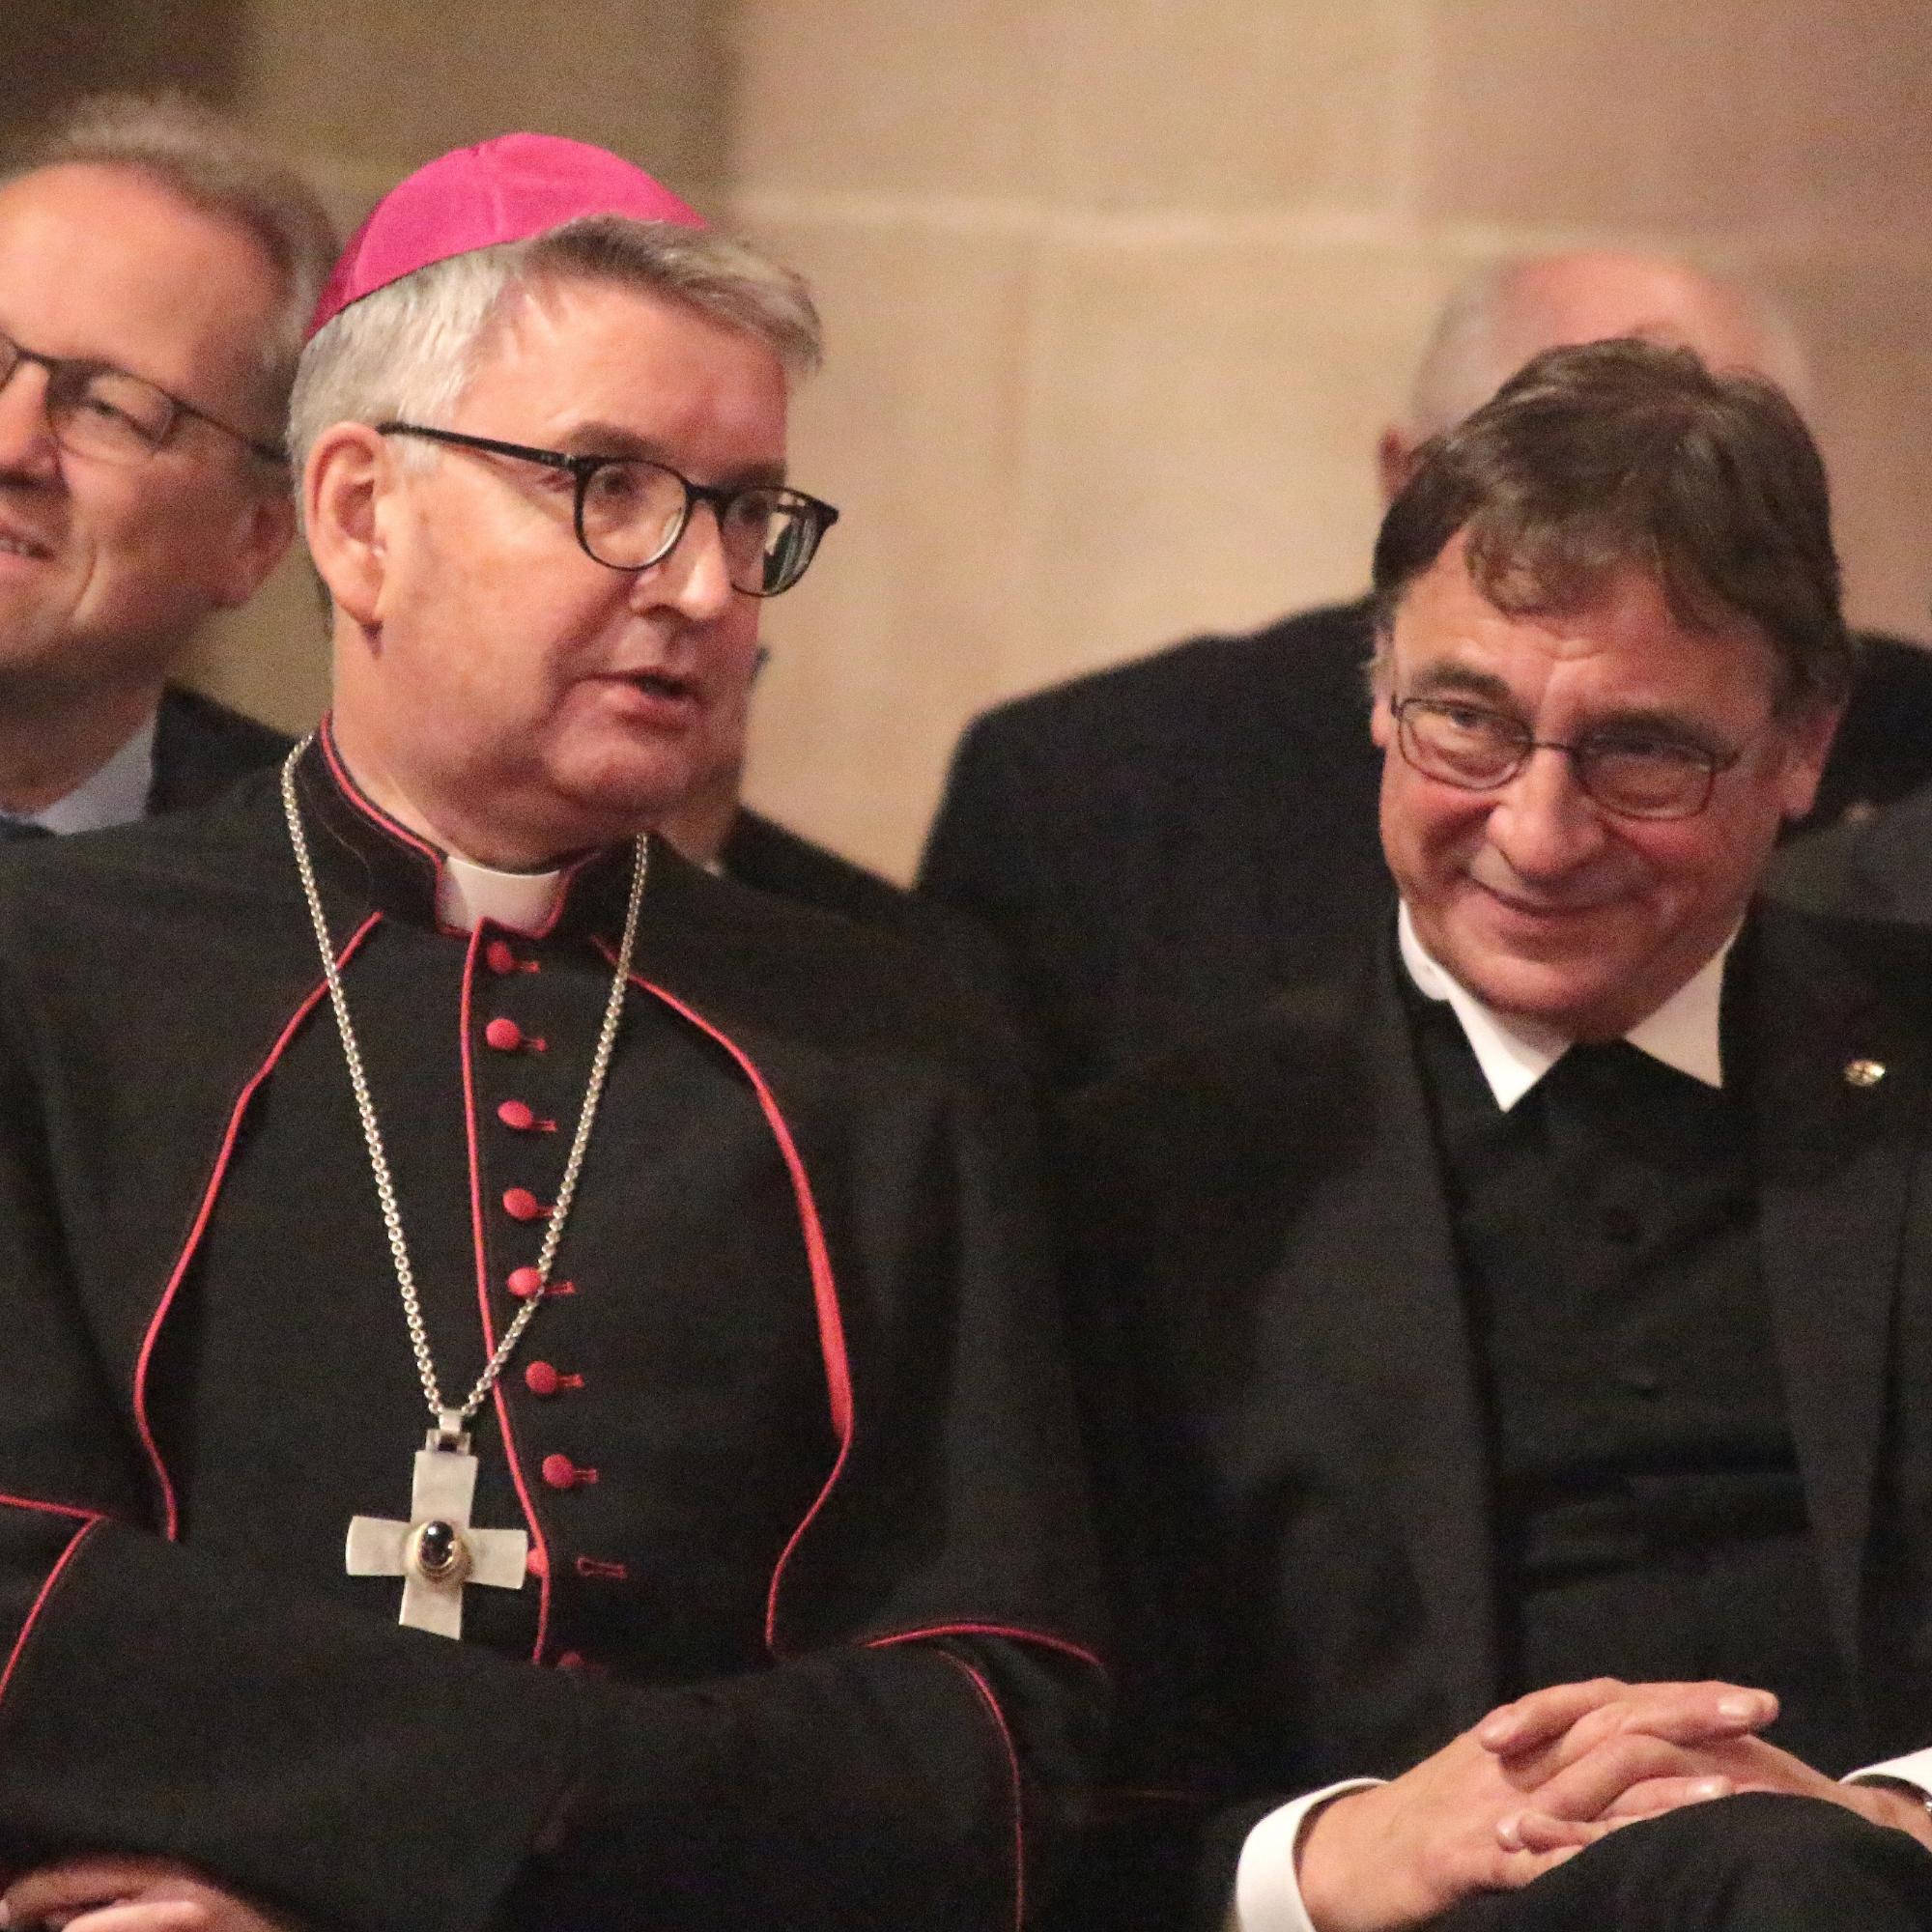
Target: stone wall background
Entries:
(1119, 292)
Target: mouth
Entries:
(655, 697)
(659, 684)
(1544, 911)
(12, 543)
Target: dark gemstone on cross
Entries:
(438, 1545)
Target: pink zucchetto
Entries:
(502, 191)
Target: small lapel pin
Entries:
(1864, 1072)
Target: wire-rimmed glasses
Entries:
(1627, 770)
(95, 409)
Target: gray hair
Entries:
(1486, 332)
(209, 163)
(408, 350)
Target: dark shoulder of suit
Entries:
(1884, 747)
(1160, 844)
(1876, 868)
(1184, 1152)
(761, 852)
(202, 746)
(1866, 850)
(771, 858)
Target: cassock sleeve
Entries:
(923, 1723)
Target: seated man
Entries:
(1529, 1307)
(425, 1200)
(156, 275)
(1159, 844)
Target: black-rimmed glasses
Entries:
(1633, 772)
(630, 512)
(96, 410)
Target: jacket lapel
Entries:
(1838, 1072)
(1401, 1341)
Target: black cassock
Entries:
(805, 1638)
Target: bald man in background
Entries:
(1161, 844)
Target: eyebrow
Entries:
(1465, 681)
(1654, 720)
(88, 366)
(597, 437)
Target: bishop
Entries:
(801, 1631)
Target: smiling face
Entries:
(1543, 904)
(106, 567)
(496, 688)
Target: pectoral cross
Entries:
(436, 1552)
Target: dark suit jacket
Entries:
(202, 746)
(761, 852)
(1162, 844)
(1877, 869)
(1283, 1407)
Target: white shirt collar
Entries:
(117, 794)
(1515, 1054)
(467, 894)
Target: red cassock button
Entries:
(505, 1035)
(559, 1472)
(498, 957)
(524, 1282)
(540, 1379)
(521, 1204)
(571, 1660)
(535, 1562)
(516, 1113)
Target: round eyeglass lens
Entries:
(1648, 782)
(631, 512)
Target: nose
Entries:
(27, 446)
(1543, 821)
(693, 579)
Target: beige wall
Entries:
(1140, 280)
(1121, 291)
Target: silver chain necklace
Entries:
(437, 1550)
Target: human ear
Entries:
(263, 525)
(1395, 461)
(1807, 743)
(1380, 677)
(350, 469)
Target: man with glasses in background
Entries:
(1510, 1335)
(156, 273)
(529, 1397)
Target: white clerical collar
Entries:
(1515, 1054)
(117, 794)
(467, 894)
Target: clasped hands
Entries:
(108, 1892)
(1539, 1779)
